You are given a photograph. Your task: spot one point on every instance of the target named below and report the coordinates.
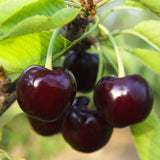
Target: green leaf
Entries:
(146, 136)
(9, 114)
(19, 120)
(9, 7)
(41, 15)
(134, 3)
(18, 53)
(149, 31)
(150, 58)
(152, 5)
(40, 23)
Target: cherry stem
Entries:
(48, 63)
(121, 72)
(100, 67)
(99, 74)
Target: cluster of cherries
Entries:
(48, 98)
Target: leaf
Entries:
(153, 5)
(40, 15)
(149, 31)
(18, 53)
(150, 58)
(11, 112)
(9, 7)
(40, 23)
(134, 3)
(18, 120)
(146, 136)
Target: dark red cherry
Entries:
(45, 94)
(46, 128)
(123, 101)
(84, 66)
(85, 130)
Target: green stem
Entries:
(100, 67)
(121, 72)
(116, 9)
(48, 63)
(99, 74)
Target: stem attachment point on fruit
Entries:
(48, 63)
(121, 72)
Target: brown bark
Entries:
(7, 92)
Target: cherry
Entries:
(45, 94)
(46, 128)
(84, 66)
(85, 130)
(123, 101)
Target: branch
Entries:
(7, 92)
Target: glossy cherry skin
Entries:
(123, 101)
(84, 66)
(46, 128)
(45, 94)
(85, 130)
